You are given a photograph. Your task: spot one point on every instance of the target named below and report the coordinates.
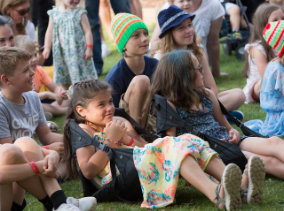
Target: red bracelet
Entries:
(89, 46)
(131, 142)
(34, 167)
(46, 147)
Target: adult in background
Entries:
(92, 8)
(18, 10)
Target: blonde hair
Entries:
(10, 58)
(25, 43)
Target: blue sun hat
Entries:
(172, 17)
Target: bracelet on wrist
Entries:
(34, 167)
(89, 46)
(131, 142)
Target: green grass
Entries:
(187, 197)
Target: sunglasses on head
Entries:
(22, 12)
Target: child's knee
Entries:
(27, 144)
(141, 82)
(11, 154)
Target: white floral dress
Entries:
(69, 46)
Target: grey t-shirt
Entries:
(18, 120)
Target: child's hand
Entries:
(50, 164)
(46, 53)
(115, 130)
(88, 53)
(234, 136)
(61, 94)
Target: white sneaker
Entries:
(67, 207)
(84, 204)
(105, 50)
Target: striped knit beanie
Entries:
(122, 26)
(273, 34)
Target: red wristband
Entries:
(131, 142)
(34, 167)
(46, 147)
(89, 46)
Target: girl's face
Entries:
(199, 82)
(276, 15)
(188, 5)
(70, 4)
(100, 109)
(6, 36)
(183, 34)
(138, 43)
(20, 12)
(34, 60)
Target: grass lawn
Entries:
(187, 197)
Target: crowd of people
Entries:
(179, 63)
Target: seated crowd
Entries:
(110, 152)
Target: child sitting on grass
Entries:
(21, 158)
(157, 165)
(272, 88)
(54, 99)
(130, 77)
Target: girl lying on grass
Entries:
(157, 165)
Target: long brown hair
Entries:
(174, 79)
(4, 7)
(167, 44)
(259, 21)
(82, 94)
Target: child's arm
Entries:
(90, 162)
(171, 131)
(54, 141)
(88, 36)
(260, 60)
(219, 117)
(48, 39)
(131, 133)
(209, 80)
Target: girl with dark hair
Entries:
(157, 164)
(199, 106)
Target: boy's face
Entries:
(138, 43)
(22, 78)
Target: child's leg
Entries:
(45, 185)
(269, 147)
(12, 155)
(235, 17)
(273, 165)
(232, 99)
(193, 174)
(136, 95)
(55, 109)
(6, 196)
(229, 191)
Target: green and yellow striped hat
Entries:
(273, 34)
(122, 26)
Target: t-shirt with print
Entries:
(121, 75)
(18, 120)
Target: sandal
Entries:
(256, 176)
(52, 126)
(231, 181)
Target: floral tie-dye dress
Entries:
(69, 46)
(158, 166)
